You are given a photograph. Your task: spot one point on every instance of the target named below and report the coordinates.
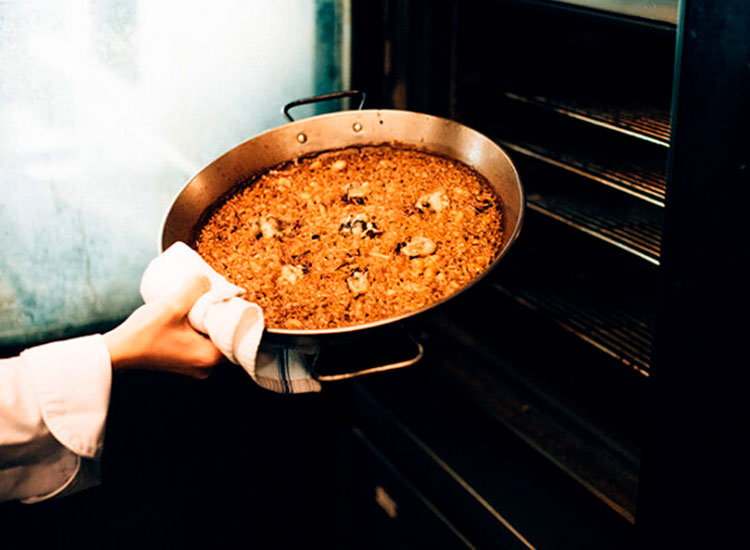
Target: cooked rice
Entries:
(354, 235)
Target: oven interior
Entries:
(538, 379)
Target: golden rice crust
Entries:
(354, 235)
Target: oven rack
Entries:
(606, 465)
(646, 181)
(662, 14)
(640, 120)
(638, 233)
(622, 333)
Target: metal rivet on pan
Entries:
(302, 138)
(357, 127)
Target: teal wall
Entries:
(107, 108)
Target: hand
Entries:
(158, 336)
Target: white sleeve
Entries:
(53, 408)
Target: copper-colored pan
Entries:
(343, 129)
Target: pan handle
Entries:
(325, 97)
(380, 368)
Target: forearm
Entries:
(54, 398)
(53, 407)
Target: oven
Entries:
(585, 395)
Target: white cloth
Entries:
(233, 324)
(284, 370)
(53, 408)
